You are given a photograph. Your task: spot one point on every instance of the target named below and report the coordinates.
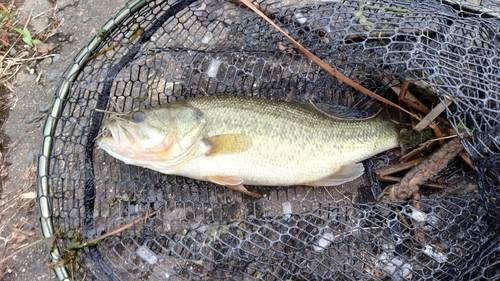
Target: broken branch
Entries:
(425, 170)
(433, 114)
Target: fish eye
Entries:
(138, 116)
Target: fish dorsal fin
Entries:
(341, 175)
(227, 144)
(339, 112)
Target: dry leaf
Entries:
(28, 233)
(18, 245)
(29, 195)
(16, 240)
(44, 48)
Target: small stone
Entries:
(52, 75)
(85, 19)
(44, 108)
(62, 4)
(13, 52)
(147, 255)
(32, 118)
(71, 38)
(213, 68)
(56, 58)
(287, 209)
(300, 18)
(31, 158)
(45, 62)
(324, 242)
(23, 77)
(207, 37)
(269, 214)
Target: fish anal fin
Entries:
(242, 189)
(341, 175)
(227, 144)
(232, 182)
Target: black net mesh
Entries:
(161, 51)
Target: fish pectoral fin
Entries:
(227, 144)
(232, 182)
(341, 175)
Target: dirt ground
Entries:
(22, 254)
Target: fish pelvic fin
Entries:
(227, 144)
(225, 180)
(341, 175)
(233, 182)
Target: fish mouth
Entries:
(121, 140)
(117, 134)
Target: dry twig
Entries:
(426, 169)
(433, 114)
(115, 231)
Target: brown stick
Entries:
(19, 251)
(418, 152)
(419, 234)
(426, 169)
(466, 158)
(433, 114)
(427, 184)
(403, 117)
(408, 98)
(272, 15)
(437, 132)
(396, 168)
(113, 232)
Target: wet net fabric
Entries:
(182, 229)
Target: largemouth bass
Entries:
(233, 141)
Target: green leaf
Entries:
(16, 30)
(28, 41)
(27, 34)
(6, 15)
(49, 242)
